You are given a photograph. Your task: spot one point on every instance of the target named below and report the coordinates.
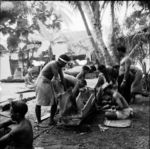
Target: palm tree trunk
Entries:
(99, 55)
(0, 66)
(94, 16)
(112, 47)
(126, 11)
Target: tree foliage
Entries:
(145, 4)
(19, 14)
(137, 18)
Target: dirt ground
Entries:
(89, 136)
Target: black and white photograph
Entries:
(74, 74)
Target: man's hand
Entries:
(123, 84)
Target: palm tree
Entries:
(55, 12)
(98, 52)
(50, 35)
(145, 4)
(95, 13)
(112, 40)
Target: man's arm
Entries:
(101, 80)
(127, 68)
(5, 140)
(80, 75)
(6, 123)
(62, 78)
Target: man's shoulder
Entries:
(24, 125)
(50, 64)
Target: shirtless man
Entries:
(125, 78)
(28, 79)
(21, 135)
(123, 111)
(130, 77)
(45, 93)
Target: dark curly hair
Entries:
(19, 107)
(121, 49)
(86, 68)
(92, 68)
(101, 68)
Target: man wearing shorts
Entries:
(45, 93)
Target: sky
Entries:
(78, 25)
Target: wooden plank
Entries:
(4, 100)
(5, 115)
(46, 116)
(5, 106)
(25, 91)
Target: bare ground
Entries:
(89, 136)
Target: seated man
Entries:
(122, 110)
(101, 80)
(67, 100)
(20, 136)
(130, 79)
(103, 98)
(28, 79)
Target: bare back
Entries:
(50, 70)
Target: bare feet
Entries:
(42, 125)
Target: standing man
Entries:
(45, 93)
(125, 78)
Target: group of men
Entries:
(116, 86)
